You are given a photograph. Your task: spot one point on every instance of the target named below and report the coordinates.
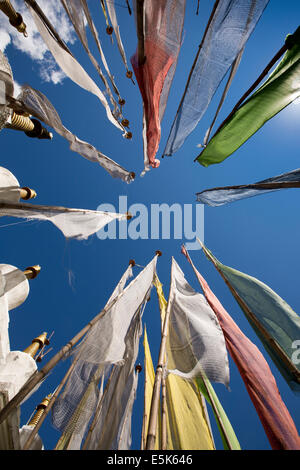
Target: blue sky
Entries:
(258, 236)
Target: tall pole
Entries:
(50, 405)
(39, 375)
(14, 17)
(150, 443)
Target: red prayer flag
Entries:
(256, 374)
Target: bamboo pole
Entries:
(97, 412)
(277, 56)
(50, 405)
(140, 31)
(39, 375)
(14, 17)
(40, 13)
(150, 443)
(270, 340)
(144, 430)
(217, 414)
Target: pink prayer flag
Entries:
(256, 374)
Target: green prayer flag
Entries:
(234, 443)
(279, 90)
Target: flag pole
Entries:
(143, 436)
(217, 414)
(39, 375)
(97, 412)
(49, 406)
(271, 341)
(151, 436)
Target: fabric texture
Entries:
(148, 389)
(232, 24)
(92, 355)
(195, 338)
(74, 223)
(231, 440)
(9, 187)
(273, 320)
(36, 104)
(71, 66)
(163, 24)
(278, 91)
(188, 426)
(79, 15)
(75, 406)
(257, 376)
(113, 426)
(114, 21)
(224, 195)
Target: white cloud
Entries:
(34, 45)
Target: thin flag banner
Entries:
(73, 223)
(195, 338)
(71, 66)
(273, 320)
(256, 374)
(162, 31)
(226, 194)
(220, 414)
(232, 24)
(34, 102)
(279, 90)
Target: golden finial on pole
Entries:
(138, 368)
(158, 253)
(40, 409)
(37, 343)
(32, 127)
(27, 193)
(14, 17)
(132, 262)
(32, 271)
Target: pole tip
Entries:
(138, 368)
(128, 215)
(158, 252)
(132, 262)
(132, 175)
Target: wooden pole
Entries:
(14, 17)
(97, 412)
(252, 88)
(50, 405)
(140, 31)
(270, 186)
(39, 375)
(270, 340)
(150, 443)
